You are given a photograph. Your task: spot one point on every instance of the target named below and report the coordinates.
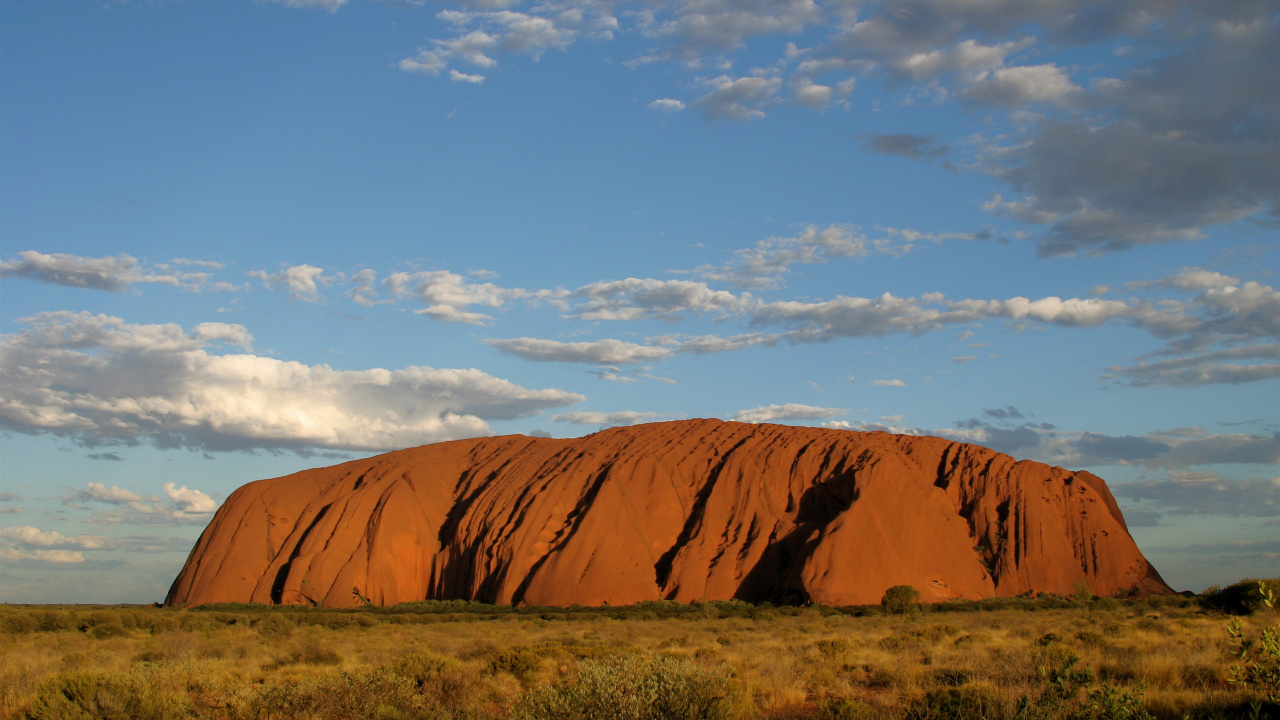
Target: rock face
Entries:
(688, 510)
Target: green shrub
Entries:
(96, 695)
(108, 630)
(1242, 598)
(275, 626)
(966, 703)
(918, 638)
(520, 662)
(634, 688)
(376, 694)
(443, 680)
(1105, 603)
(50, 621)
(1111, 702)
(17, 623)
(1259, 669)
(900, 600)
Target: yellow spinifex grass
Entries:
(1056, 660)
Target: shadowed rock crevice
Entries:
(277, 586)
(685, 510)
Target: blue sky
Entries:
(240, 239)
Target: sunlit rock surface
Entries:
(687, 510)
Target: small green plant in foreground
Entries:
(1259, 667)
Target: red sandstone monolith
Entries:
(687, 510)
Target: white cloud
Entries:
(598, 352)
(28, 536)
(302, 281)
(763, 264)
(112, 274)
(456, 76)
(699, 26)
(184, 506)
(666, 105)
(447, 295)
(789, 411)
(968, 56)
(602, 419)
(100, 380)
(889, 383)
(66, 557)
(708, 344)
(189, 501)
(636, 298)
(744, 98)
(506, 31)
(1014, 87)
(99, 492)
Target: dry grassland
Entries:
(1163, 658)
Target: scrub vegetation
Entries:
(1048, 658)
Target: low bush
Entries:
(377, 694)
(634, 688)
(1242, 598)
(965, 703)
(520, 662)
(901, 599)
(98, 695)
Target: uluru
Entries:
(686, 510)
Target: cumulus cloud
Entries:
(180, 506)
(33, 537)
(889, 383)
(1182, 141)
(666, 105)
(636, 298)
(699, 26)
(482, 34)
(447, 295)
(603, 419)
(26, 543)
(743, 98)
(57, 557)
(112, 273)
(763, 264)
(1015, 87)
(100, 380)
(1244, 317)
(303, 282)
(789, 411)
(1191, 143)
(597, 352)
(708, 344)
(99, 492)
